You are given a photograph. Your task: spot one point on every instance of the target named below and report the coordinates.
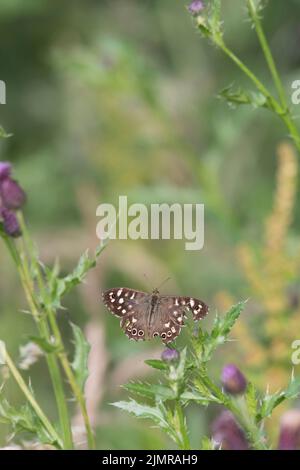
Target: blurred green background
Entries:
(106, 98)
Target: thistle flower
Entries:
(10, 222)
(233, 380)
(170, 355)
(227, 434)
(196, 7)
(289, 437)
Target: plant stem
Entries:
(20, 381)
(279, 108)
(185, 442)
(267, 53)
(44, 332)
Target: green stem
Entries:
(44, 332)
(259, 85)
(20, 381)
(185, 442)
(267, 53)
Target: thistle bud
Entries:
(170, 355)
(196, 7)
(233, 380)
(227, 434)
(12, 195)
(5, 169)
(10, 223)
(289, 437)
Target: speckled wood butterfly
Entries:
(145, 316)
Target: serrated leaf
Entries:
(162, 417)
(207, 444)
(142, 411)
(219, 333)
(61, 286)
(153, 391)
(242, 97)
(157, 364)
(24, 419)
(80, 361)
(270, 402)
(251, 400)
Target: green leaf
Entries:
(24, 419)
(44, 344)
(207, 343)
(80, 361)
(251, 400)
(61, 286)
(162, 417)
(241, 97)
(157, 364)
(269, 402)
(207, 444)
(157, 392)
(4, 134)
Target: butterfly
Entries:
(145, 316)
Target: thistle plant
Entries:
(207, 16)
(44, 289)
(186, 380)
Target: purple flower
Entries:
(227, 434)
(5, 169)
(170, 355)
(10, 223)
(289, 437)
(233, 380)
(12, 195)
(196, 7)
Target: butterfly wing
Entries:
(171, 314)
(131, 306)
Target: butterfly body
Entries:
(144, 316)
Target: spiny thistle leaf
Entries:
(156, 364)
(147, 390)
(24, 419)
(269, 402)
(80, 361)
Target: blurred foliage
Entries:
(107, 98)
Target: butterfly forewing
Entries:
(131, 306)
(145, 316)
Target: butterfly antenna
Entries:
(148, 282)
(164, 282)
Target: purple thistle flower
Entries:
(196, 7)
(5, 169)
(10, 223)
(170, 355)
(289, 437)
(233, 380)
(227, 434)
(11, 193)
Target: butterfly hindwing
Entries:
(130, 306)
